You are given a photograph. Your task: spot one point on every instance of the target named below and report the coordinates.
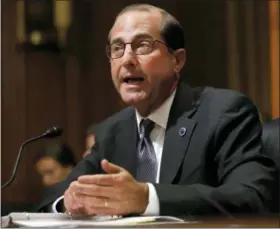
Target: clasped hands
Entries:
(113, 193)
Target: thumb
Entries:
(110, 167)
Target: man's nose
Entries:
(47, 181)
(129, 57)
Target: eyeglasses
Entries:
(139, 47)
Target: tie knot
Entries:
(146, 126)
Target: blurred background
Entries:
(54, 70)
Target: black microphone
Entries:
(52, 132)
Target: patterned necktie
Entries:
(147, 161)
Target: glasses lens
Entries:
(143, 47)
(116, 50)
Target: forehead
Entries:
(46, 162)
(135, 23)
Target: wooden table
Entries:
(262, 222)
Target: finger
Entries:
(71, 204)
(113, 208)
(93, 190)
(110, 167)
(101, 206)
(91, 204)
(104, 210)
(99, 179)
(74, 203)
(92, 201)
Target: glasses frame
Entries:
(108, 46)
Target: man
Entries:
(54, 163)
(175, 150)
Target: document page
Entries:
(64, 220)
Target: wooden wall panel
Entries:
(73, 125)
(45, 104)
(13, 96)
(274, 28)
(233, 62)
(248, 51)
(262, 57)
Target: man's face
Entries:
(142, 80)
(51, 171)
(90, 141)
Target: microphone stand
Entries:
(18, 159)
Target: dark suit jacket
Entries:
(271, 136)
(217, 167)
(271, 142)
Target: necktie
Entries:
(147, 161)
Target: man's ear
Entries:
(68, 169)
(179, 56)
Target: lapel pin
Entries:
(182, 131)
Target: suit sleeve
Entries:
(245, 176)
(89, 165)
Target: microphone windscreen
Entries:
(52, 132)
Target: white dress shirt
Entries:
(160, 118)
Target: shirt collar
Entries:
(161, 114)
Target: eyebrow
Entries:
(138, 36)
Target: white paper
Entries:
(63, 220)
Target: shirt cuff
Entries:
(54, 205)
(153, 205)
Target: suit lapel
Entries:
(126, 147)
(178, 133)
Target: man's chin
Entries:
(133, 100)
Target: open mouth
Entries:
(133, 80)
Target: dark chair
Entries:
(271, 145)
